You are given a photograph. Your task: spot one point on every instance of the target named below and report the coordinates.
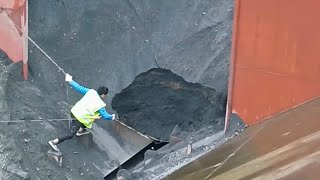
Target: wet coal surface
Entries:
(158, 100)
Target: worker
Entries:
(85, 111)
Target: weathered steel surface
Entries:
(285, 147)
(275, 57)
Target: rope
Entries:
(60, 69)
(53, 62)
(35, 120)
(70, 120)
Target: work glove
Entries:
(113, 116)
(68, 78)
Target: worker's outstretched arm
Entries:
(105, 114)
(81, 89)
(75, 85)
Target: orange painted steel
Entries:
(232, 60)
(276, 62)
(14, 31)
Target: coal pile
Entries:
(158, 100)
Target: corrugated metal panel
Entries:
(13, 19)
(276, 58)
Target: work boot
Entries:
(82, 131)
(54, 146)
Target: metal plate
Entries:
(275, 57)
(118, 142)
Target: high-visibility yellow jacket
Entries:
(86, 110)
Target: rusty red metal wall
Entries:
(275, 61)
(14, 31)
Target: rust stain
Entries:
(276, 64)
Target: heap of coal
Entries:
(158, 100)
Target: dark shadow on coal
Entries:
(158, 100)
